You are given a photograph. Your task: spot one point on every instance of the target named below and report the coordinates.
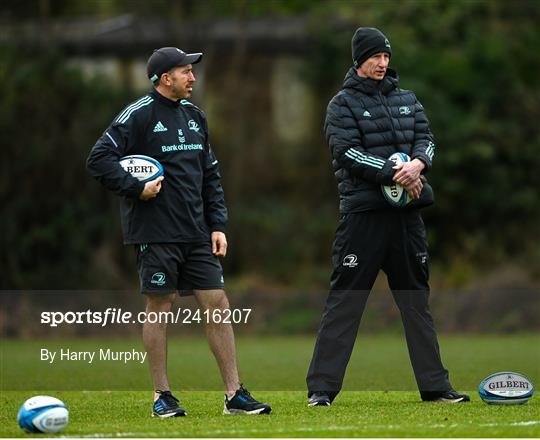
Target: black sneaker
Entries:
(451, 396)
(319, 398)
(167, 406)
(243, 403)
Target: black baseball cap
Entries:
(164, 59)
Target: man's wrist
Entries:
(217, 228)
(139, 190)
(419, 163)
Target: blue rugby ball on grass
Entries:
(506, 388)
(142, 167)
(43, 414)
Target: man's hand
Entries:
(414, 189)
(151, 189)
(219, 244)
(407, 173)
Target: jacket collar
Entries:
(163, 100)
(370, 86)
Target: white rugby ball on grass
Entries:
(395, 194)
(506, 388)
(142, 167)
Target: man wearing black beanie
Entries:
(367, 42)
(368, 123)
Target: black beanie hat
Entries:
(367, 42)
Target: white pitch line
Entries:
(114, 434)
(529, 423)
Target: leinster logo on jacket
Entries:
(404, 110)
(193, 125)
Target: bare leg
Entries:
(220, 337)
(155, 339)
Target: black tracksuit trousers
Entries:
(365, 242)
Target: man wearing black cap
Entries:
(177, 221)
(368, 121)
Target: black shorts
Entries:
(182, 267)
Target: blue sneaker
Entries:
(243, 403)
(167, 406)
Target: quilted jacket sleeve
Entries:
(345, 142)
(424, 145)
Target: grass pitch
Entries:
(380, 398)
(354, 414)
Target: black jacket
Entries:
(191, 202)
(366, 122)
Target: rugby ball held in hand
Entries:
(395, 194)
(142, 167)
(505, 388)
(43, 414)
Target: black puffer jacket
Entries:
(366, 122)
